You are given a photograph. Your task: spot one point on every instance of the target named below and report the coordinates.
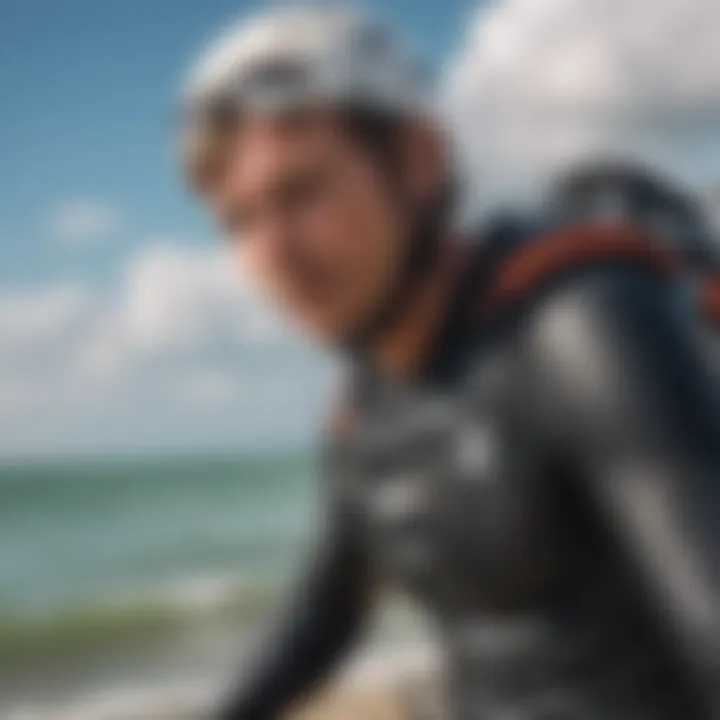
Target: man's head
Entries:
(323, 178)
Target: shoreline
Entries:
(375, 686)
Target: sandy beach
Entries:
(390, 686)
(399, 686)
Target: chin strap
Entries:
(421, 252)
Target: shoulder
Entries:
(600, 336)
(562, 283)
(598, 295)
(564, 290)
(572, 259)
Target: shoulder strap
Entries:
(567, 249)
(710, 299)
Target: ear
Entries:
(424, 158)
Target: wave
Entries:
(120, 618)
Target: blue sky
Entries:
(94, 219)
(123, 325)
(87, 96)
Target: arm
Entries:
(320, 623)
(628, 397)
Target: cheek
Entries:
(326, 221)
(355, 226)
(374, 228)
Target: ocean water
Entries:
(134, 573)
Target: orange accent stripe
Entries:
(711, 300)
(572, 247)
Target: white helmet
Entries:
(302, 57)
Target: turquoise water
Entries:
(103, 561)
(75, 532)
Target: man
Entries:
(528, 444)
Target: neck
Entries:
(402, 350)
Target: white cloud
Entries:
(601, 54)
(177, 350)
(35, 318)
(541, 82)
(82, 221)
(173, 302)
(178, 298)
(206, 389)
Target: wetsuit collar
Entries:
(481, 257)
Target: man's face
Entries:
(315, 218)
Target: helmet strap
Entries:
(422, 248)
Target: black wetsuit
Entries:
(549, 490)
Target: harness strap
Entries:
(710, 299)
(570, 248)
